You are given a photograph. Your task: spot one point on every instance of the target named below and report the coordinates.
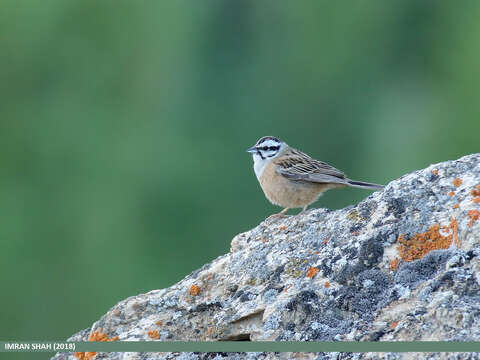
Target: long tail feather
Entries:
(365, 185)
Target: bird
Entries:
(292, 179)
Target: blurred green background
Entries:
(123, 129)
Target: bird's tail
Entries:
(364, 185)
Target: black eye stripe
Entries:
(269, 148)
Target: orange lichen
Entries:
(457, 182)
(83, 356)
(316, 252)
(476, 192)
(421, 244)
(394, 264)
(393, 325)
(326, 284)
(474, 215)
(286, 289)
(283, 228)
(100, 336)
(356, 233)
(194, 290)
(324, 242)
(94, 336)
(159, 323)
(456, 206)
(154, 334)
(435, 172)
(312, 272)
(451, 193)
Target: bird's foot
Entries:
(277, 216)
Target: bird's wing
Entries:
(298, 166)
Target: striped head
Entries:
(266, 149)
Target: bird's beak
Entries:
(253, 149)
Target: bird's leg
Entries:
(303, 210)
(279, 215)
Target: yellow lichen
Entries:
(354, 216)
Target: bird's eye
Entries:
(272, 148)
(265, 148)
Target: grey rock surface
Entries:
(403, 264)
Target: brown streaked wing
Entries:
(297, 165)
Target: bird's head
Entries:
(266, 149)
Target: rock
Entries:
(403, 264)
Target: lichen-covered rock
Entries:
(404, 264)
